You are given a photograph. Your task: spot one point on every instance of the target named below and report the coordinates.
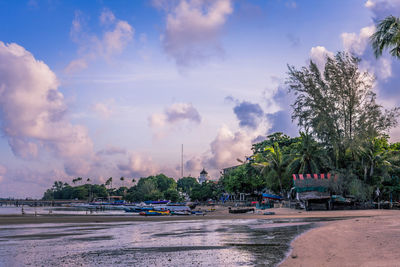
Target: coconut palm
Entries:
(374, 156)
(272, 164)
(122, 179)
(387, 36)
(307, 156)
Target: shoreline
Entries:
(362, 241)
(280, 213)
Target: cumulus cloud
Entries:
(115, 37)
(33, 110)
(228, 146)
(356, 43)
(249, 115)
(319, 55)
(175, 113)
(193, 28)
(383, 8)
(138, 166)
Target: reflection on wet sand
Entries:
(204, 242)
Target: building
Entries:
(203, 176)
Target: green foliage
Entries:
(186, 184)
(282, 139)
(338, 106)
(243, 179)
(62, 190)
(387, 36)
(205, 191)
(157, 187)
(307, 156)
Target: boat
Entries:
(181, 212)
(149, 202)
(244, 210)
(154, 213)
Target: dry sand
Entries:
(371, 241)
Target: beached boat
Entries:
(244, 210)
(182, 212)
(154, 213)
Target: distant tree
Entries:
(109, 182)
(243, 179)
(387, 36)
(186, 184)
(205, 191)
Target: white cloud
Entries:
(356, 43)
(193, 28)
(90, 47)
(382, 8)
(228, 146)
(138, 166)
(319, 55)
(33, 110)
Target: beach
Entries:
(369, 241)
(289, 238)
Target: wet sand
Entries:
(371, 241)
(202, 242)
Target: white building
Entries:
(203, 176)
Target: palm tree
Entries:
(133, 180)
(307, 157)
(122, 179)
(387, 36)
(273, 164)
(374, 156)
(88, 180)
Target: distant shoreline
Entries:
(221, 214)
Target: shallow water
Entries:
(253, 242)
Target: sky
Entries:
(99, 89)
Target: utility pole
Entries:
(182, 162)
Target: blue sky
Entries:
(113, 88)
